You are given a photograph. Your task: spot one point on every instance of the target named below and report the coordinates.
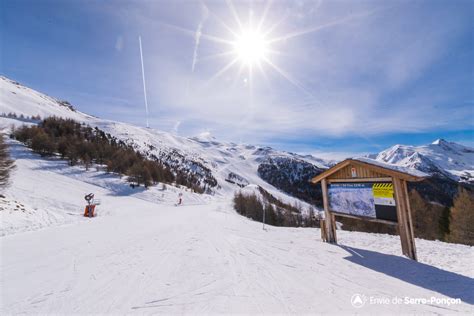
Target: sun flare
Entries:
(255, 44)
(250, 47)
(252, 44)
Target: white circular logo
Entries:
(358, 300)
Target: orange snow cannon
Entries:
(89, 211)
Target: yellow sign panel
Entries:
(383, 190)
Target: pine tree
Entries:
(42, 143)
(139, 173)
(63, 144)
(87, 161)
(462, 218)
(134, 174)
(270, 215)
(6, 163)
(239, 203)
(426, 217)
(146, 176)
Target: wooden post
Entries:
(410, 222)
(333, 224)
(322, 225)
(405, 226)
(329, 220)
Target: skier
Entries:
(180, 199)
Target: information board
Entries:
(366, 199)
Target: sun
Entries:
(254, 43)
(250, 47)
(251, 44)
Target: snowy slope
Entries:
(21, 100)
(440, 158)
(142, 255)
(49, 192)
(204, 155)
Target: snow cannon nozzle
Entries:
(89, 197)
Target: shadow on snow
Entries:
(431, 278)
(55, 163)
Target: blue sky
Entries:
(341, 77)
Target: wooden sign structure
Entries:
(369, 190)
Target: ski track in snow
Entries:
(143, 255)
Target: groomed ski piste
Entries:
(143, 255)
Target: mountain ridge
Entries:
(233, 165)
(440, 158)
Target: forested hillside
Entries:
(81, 144)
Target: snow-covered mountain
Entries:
(440, 158)
(226, 166)
(223, 166)
(25, 102)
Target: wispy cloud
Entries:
(371, 68)
(119, 43)
(197, 36)
(175, 129)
